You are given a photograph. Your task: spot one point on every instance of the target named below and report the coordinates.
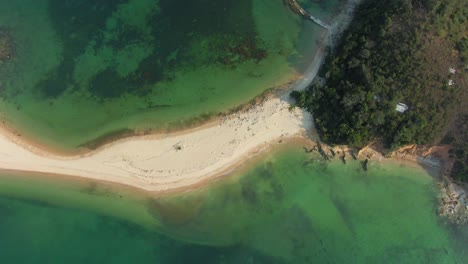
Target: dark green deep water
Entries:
(283, 208)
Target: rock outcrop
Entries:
(453, 202)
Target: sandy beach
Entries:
(174, 160)
(168, 161)
(163, 162)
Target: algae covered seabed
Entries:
(83, 71)
(283, 207)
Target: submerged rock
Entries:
(454, 203)
(322, 151)
(364, 164)
(343, 158)
(6, 45)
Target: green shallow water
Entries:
(83, 70)
(283, 208)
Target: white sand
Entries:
(169, 161)
(174, 160)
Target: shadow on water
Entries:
(344, 212)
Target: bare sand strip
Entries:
(176, 160)
(163, 162)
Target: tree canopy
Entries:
(394, 51)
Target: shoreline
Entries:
(297, 141)
(174, 160)
(326, 40)
(435, 160)
(236, 168)
(84, 149)
(150, 162)
(300, 81)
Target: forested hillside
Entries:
(397, 51)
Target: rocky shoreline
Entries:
(453, 202)
(453, 197)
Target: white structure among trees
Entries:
(401, 107)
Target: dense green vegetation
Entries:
(459, 142)
(394, 51)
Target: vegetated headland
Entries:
(398, 77)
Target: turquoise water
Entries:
(38, 233)
(328, 7)
(286, 207)
(83, 71)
